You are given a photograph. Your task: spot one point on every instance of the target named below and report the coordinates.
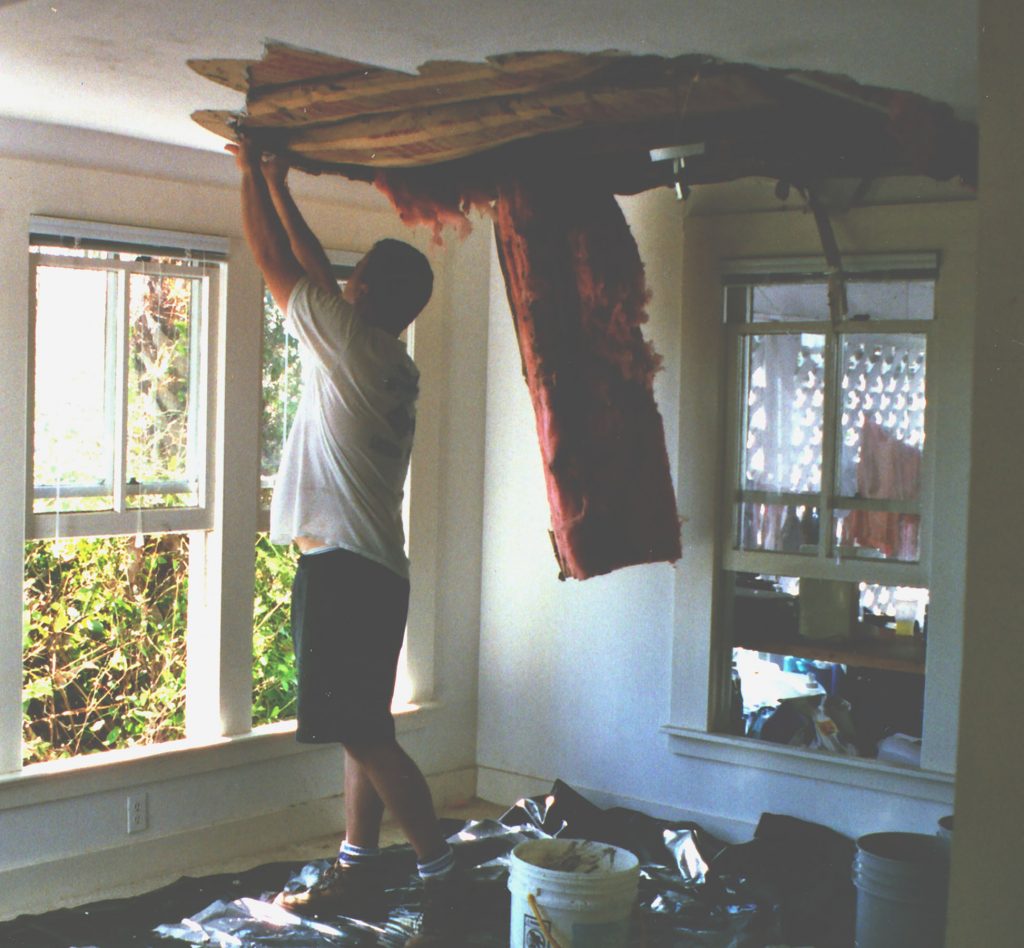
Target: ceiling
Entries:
(120, 65)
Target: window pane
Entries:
(778, 528)
(891, 299)
(784, 398)
(104, 651)
(282, 386)
(273, 670)
(865, 299)
(867, 680)
(162, 310)
(877, 534)
(882, 420)
(790, 302)
(895, 610)
(73, 453)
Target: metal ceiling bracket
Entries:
(678, 154)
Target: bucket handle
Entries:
(542, 921)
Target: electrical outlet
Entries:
(138, 812)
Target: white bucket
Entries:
(583, 891)
(901, 891)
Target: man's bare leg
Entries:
(364, 808)
(402, 788)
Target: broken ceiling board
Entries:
(543, 141)
(369, 90)
(219, 121)
(281, 65)
(414, 137)
(338, 115)
(233, 73)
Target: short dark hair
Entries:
(398, 282)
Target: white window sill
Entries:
(97, 773)
(796, 762)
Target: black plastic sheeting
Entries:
(789, 885)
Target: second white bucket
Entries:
(571, 893)
(901, 891)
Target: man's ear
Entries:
(355, 290)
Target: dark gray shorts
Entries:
(348, 622)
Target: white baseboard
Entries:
(147, 865)
(505, 787)
(454, 787)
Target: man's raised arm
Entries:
(304, 243)
(264, 230)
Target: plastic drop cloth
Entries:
(789, 885)
(694, 889)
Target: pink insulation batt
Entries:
(576, 287)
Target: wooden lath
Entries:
(368, 90)
(403, 139)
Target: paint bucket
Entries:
(901, 891)
(582, 891)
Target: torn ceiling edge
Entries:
(542, 141)
(335, 115)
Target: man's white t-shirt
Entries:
(344, 465)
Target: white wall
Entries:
(261, 791)
(985, 885)
(577, 679)
(574, 679)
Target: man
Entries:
(339, 497)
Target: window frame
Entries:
(211, 255)
(343, 264)
(822, 565)
(415, 684)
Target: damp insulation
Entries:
(576, 287)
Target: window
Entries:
(273, 658)
(125, 593)
(122, 322)
(282, 379)
(120, 417)
(825, 571)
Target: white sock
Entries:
(351, 856)
(438, 868)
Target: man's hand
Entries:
(246, 156)
(275, 169)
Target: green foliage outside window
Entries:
(105, 636)
(104, 650)
(273, 695)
